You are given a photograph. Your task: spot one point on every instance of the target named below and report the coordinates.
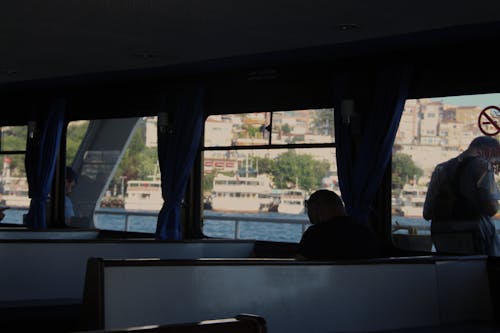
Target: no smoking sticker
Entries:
(488, 120)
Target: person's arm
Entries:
(304, 244)
(68, 210)
(487, 188)
(432, 190)
(490, 207)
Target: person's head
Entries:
(70, 180)
(323, 205)
(485, 146)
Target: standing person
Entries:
(70, 181)
(333, 234)
(461, 199)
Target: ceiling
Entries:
(53, 38)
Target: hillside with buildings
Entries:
(431, 132)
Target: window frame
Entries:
(268, 146)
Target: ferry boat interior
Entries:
(254, 84)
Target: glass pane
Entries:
(250, 129)
(135, 187)
(237, 129)
(13, 138)
(75, 133)
(303, 126)
(259, 194)
(431, 131)
(14, 189)
(129, 197)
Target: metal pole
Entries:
(236, 229)
(126, 222)
(122, 186)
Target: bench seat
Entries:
(293, 296)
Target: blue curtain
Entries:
(179, 137)
(40, 162)
(361, 165)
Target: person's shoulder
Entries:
(472, 167)
(348, 220)
(451, 163)
(345, 225)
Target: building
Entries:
(408, 132)
(430, 113)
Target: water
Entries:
(279, 231)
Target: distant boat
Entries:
(14, 192)
(241, 194)
(143, 195)
(292, 201)
(411, 200)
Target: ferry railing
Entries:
(126, 214)
(238, 219)
(261, 218)
(208, 215)
(122, 223)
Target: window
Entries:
(13, 181)
(413, 161)
(258, 168)
(127, 169)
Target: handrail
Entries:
(209, 215)
(249, 217)
(241, 218)
(126, 213)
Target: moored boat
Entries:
(292, 201)
(412, 200)
(241, 194)
(143, 195)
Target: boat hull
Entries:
(244, 205)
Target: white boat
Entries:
(143, 195)
(241, 194)
(14, 192)
(412, 200)
(292, 202)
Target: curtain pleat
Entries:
(40, 162)
(178, 142)
(361, 170)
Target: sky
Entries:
(472, 100)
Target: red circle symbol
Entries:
(487, 121)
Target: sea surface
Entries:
(278, 231)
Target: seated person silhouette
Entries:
(333, 234)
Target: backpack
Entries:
(450, 203)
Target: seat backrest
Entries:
(243, 323)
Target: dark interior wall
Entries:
(447, 62)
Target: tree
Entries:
(262, 164)
(138, 162)
(14, 138)
(403, 169)
(291, 169)
(75, 134)
(286, 129)
(323, 122)
(252, 131)
(208, 181)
